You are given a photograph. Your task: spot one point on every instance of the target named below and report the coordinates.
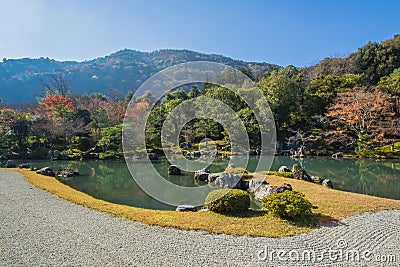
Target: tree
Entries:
(54, 103)
(284, 92)
(391, 83)
(321, 91)
(378, 60)
(365, 113)
(58, 85)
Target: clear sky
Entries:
(299, 32)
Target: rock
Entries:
(265, 190)
(46, 171)
(327, 183)
(186, 208)
(231, 166)
(185, 145)
(261, 192)
(212, 177)
(244, 185)
(24, 166)
(34, 169)
(11, 164)
(53, 154)
(201, 175)
(174, 170)
(317, 179)
(284, 169)
(204, 210)
(228, 180)
(284, 187)
(56, 154)
(300, 174)
(255, 183)
(153, 156)
(67, 172)
(337, 155)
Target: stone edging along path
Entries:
(40, 229)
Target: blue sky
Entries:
(283, 32)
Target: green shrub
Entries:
(282, 174)
(227, 200)
(109, 154)
(289, 205)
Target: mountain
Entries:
(21, 79)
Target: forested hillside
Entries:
(349, 105)
(21, 80)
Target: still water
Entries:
(111, 180)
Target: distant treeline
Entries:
(340, 104)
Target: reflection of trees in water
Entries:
(380, 178)
(111, 180)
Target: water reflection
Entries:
(111, 180)
(377, 178)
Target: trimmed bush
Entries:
(282, 174)
(289, 205)
(227, 201)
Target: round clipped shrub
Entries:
(289, 205)
(227, 201)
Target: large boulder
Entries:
(228, 180)
(11, 164)
(284, 169)
(265, 189)
(174, 170)
(300, 174)
(46, 171)
(255, 183)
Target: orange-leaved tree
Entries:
(59, 111)
(364, 112)
(55, 105)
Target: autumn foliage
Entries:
(365, 111)
(52, 102)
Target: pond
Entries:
(111, 180)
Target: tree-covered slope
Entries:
(20, 79)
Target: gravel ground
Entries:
(40, 229)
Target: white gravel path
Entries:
(40, 229)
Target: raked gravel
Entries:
(40, 229)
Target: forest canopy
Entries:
(346, 104)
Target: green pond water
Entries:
(111, 180)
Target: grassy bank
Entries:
(333, 205)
